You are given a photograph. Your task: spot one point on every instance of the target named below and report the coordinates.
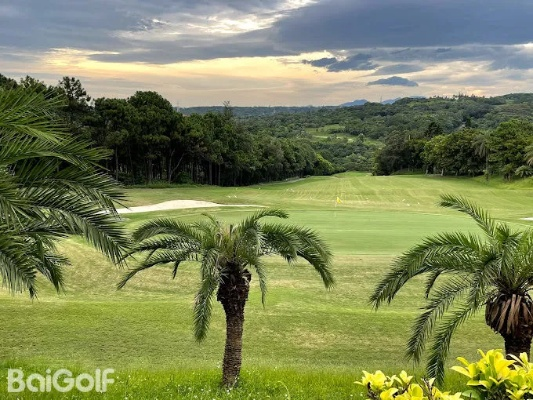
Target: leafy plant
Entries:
(494, 377)
(401, 387)
(51, 186)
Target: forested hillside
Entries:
(150, 141)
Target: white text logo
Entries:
(61, 380)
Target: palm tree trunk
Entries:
(232, 294)
(518, 343)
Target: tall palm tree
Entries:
(228, 254)
(464, 273)
(50, 186)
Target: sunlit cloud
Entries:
(272, 51)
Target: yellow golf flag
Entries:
(338, 200)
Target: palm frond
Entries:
(51, 185)
(251, 221)
(442, 338)
(204, 298)
(444, 253)
(31, 114)
(279, 239)
(131, 273)
(440, 301)
(164, 226)
(261, 274)
(459, 203)
(316, 252)
(17, 262)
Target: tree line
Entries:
(150, 141)
(506, 151)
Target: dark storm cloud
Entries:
(349, 24)
(357, 62)
(390, 31)
(393, 81)
(321, 62)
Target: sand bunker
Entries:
(176, 205)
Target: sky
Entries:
(272, 52)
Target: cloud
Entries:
(322, 62)
(357, 24)
(106, 25)
(393, 81)
(519, 59)
(357, 62)
(398, 69)
(167, 31)
(477, 44)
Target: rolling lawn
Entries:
(306, 343)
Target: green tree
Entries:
(77, 107)
(7, 83)
(227, 254)
(433, 129)
(114, 124)
(454, 153)
(77, 97)
(157, 120)
(50, 186)
(464, 273)
(508, 146)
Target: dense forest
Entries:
(149, 140)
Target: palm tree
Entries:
(464, 273)
(50, 186)
(529, 154)
(481, 148)
(228, 254)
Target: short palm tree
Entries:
(50, 186)
(464, 273)
(228, 254)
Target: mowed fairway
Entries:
(306, 343)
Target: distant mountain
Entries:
(359, 102)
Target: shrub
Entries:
(493, 377)
(382, 387)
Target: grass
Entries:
(307, 343)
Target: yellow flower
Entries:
(375, 381)
(389, 394)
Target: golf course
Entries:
(307, 342)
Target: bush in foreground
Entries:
(493, 377)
